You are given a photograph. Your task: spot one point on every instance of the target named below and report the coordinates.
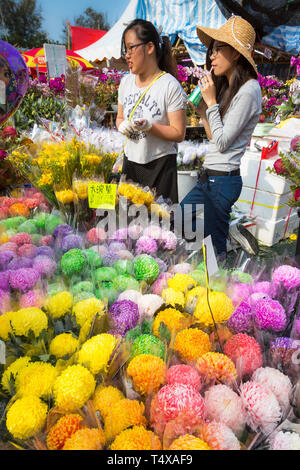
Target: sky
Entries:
(55, 12)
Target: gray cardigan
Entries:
(230, 136)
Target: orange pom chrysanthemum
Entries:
(219, 436)
(85, 439)
(191, 344)
(188, 442)
(62, 430)
(19, 209)
(172, 318)
(105, 398)
(136, 438)
(147, 372)
(213, 366)
(122, 415)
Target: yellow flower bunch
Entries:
(220, 305)
(63, 345)
(12, 371)
(173, 297)
(85, 439)
(96, 352)
(37, 379)
(86, 309)
(136, 438)
(26, 417)
(191, 343)
(104, 398)
(181, 282)
(172, 318)
(65, 196)
(124, 414)
(135, 194)
(5, 325)
(188, 442)
(29, 319)
(59, 304)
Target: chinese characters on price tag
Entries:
(102, 196)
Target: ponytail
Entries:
(146, 32)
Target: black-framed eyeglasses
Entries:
(215, 50)
(130, 49)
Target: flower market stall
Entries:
(116, 336)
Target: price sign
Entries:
(102, 196)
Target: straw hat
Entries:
(236, 32)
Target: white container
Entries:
(270, 232)
(263, 128)
(186, 181)
(267, 205)
(269, 182)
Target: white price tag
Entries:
(210, 257)
(2, 92)
(2, 352)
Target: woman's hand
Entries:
(200, 109)
(208, 90)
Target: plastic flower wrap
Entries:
(62, 430)
(191, 343)
(170, 400)
(213, 366)
(189, 442)
(245, 352)
(96, 352)
(221, 307)
(105, 397)
(263, 409)
(147, 372)
(224, 405)
(122, 415)
(184, 374)
(136, 438)
(26, 417)
(73, 387)
(85, 439)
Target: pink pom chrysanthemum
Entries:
(95, 235)
(146, 245)
(45, 266)
(183, 268)
(169, 240)
(47, 240)
(21, 238)
(261, 405)
(28, 250)
(184, 374)
(32, 298)
(285, 441)
(245, 352)
(170, 401)
(153, 231)
(5, 302)
(241, 319)
(161, 283)
(9, 246)
(224, 405)
(23, 279)
(135, 231)
(269, 314)
(264, 287)
(277, 382)
(238, 292)
(287, 275)
(219, 436)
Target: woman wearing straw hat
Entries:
(229, 110)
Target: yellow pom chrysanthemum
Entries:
(136, 438)
(188, 442)
(62, 430)
(191, 298)
(96, 352)
(213, 366)
(173, 297)
(191, 344)
(181, 282)
(26, 417)
(85, 439)
(221, 306)
(124, 414)
(105, 398)
(59, 304)
(73, 388)
(63, 345)
(5, 326)
(29, 319)
(147, 372)
(37, 378)
(172, 318)
(86, 309)
(12, 371)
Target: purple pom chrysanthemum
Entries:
(123, 315)
(241, 319)
(45, 266)
(45, 251)
(117, 246)
(62, 231)
(18, 263)
(265, 287)
(110, 257)
(120, 234)
(5, 258)
(71, 242)
(269, 314)
(238, 292)
(163, 266)
(287, 275)
(253, 298)
(9, 246)
(4, 280)
(146, 245)
(23, 279)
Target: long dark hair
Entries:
(243, 72)
(146, 32)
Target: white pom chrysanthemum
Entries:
(285, 441)
(223, 405)
(130, 294)
(277, 382)
(261, 405)
(148, 304)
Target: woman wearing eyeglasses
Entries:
(229, 110)
(158, 122)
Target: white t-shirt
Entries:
(165, 96)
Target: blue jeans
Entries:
(217, 195)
